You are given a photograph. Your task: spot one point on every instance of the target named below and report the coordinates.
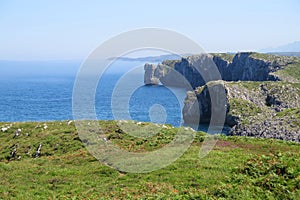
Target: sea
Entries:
(43, 91)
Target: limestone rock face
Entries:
(168, 76)
(246, 68)
(206, 103)
(223, 67)
(200, 69)
(229, 89)
(149, 77)
(267, 109)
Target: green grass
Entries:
(292, 70)
(251, 85)
(237, 167)
(244, 109)
(290, 73)
(264, 56)
(293, 114)
(225, 56)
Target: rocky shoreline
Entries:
(262, 92)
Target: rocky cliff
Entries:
(150, 78)
(260, 92)
(257, 109)
(197, 69)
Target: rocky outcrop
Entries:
(149, 77)
(246, 68)
(277, 116)
(242, 91)
(200, 69)
(277, 128)
(256, 109)
(161, 73)
(207, 102)
(190, 72)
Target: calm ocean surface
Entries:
(42, 91)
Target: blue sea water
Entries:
(42, 91)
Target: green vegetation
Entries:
(291, 65)
(271, 175)
(292, 71)
(170, 63)
(56, 137)
(293, 114)
(268, 57)
(225, 56)
(250, 85)
(244, 109)
(237, 167)
(264, 107)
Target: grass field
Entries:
(237, 167)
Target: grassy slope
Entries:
(285, 92)
(290, 73)
(236, 168)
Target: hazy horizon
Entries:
(70, 30)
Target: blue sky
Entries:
(47, 30)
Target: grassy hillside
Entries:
(290, 72)
(237, 167)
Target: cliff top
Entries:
(65, 169)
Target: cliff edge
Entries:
(262, 92)
(247, 66)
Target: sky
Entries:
(71, 29)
